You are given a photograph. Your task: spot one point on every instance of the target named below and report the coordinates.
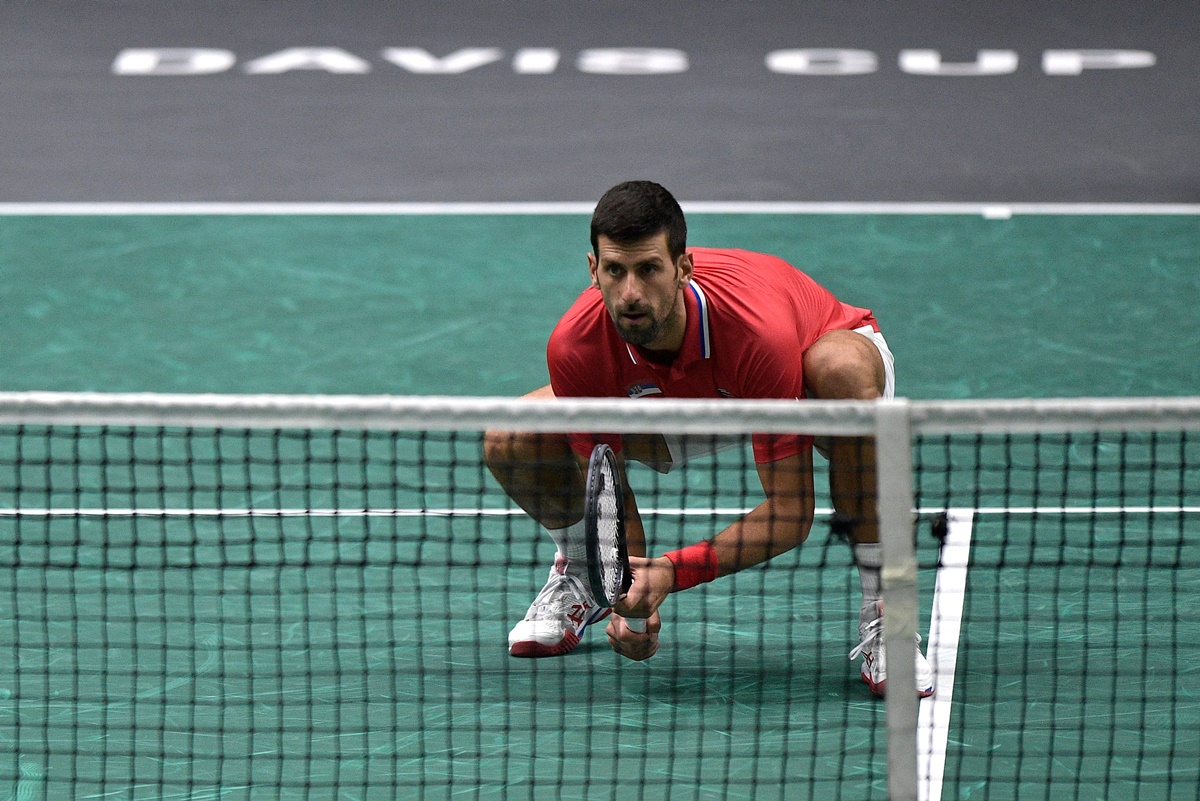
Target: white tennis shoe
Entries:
(559, 614)
(874, 664)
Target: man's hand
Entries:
(635, 645)
(653, 580)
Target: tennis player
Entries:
(662, 320)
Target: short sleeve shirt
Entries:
(750, 318)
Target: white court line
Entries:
(998, 210)
(1086, 510)
(933, 717)
(28, 511)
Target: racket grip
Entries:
(636, 623)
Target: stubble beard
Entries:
(646, 335)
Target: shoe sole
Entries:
(880, 690)
(532, 649)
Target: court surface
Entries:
(1045, 305)
(413, 688)
(360, 683)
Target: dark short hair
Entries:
(635, 210)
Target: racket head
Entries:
(604, 528)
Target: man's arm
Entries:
(778, 524)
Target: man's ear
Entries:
(593, 269)
(686, 268)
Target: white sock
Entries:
(869, 558)
(571, 543)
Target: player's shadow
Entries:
(735, 673)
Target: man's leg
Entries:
(538, 471)
(542, 476)
(845, 365)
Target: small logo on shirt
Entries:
(643, 389)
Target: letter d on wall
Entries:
(172, 61)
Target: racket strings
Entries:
(608, 534)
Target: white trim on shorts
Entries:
(889, 361)
(683, 449)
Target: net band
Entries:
(705, 417)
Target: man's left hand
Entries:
(635, 645)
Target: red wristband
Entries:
(695, 564)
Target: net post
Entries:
(893, 443)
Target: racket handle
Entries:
(636, 623)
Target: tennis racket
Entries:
(604, 529)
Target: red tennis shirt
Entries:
(750, 318)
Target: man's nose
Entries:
(631, 290)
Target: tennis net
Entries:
(306, 597)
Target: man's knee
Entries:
(844, 365)
(499, 448)
(502, 449)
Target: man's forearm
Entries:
(778, 524)
(771, 528)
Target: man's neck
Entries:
(659, 357)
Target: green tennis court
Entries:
(307, 650)
(1036, 306)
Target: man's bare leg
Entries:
(543, 475)
(844, 365)
(538, 471)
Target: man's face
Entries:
(643, 290)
